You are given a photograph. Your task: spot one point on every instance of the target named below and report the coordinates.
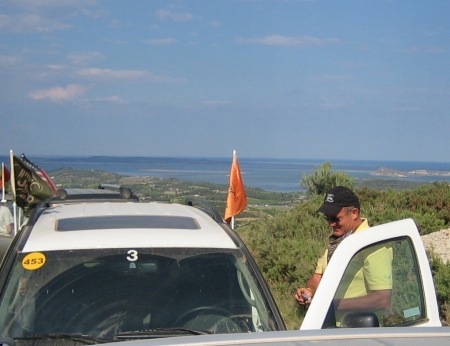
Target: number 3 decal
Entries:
(132, 255)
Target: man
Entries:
(6, 220)
(367, 283)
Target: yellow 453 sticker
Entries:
(33, 261)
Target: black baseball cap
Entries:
(338, 198)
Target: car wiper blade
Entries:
(85, 339)
(159, 333)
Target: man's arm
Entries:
(375, 300)
(314, 282)
(305, 294)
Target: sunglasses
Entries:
(335, 219)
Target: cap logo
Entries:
(330, 198)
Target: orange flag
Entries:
(236, 199)
(4, 175)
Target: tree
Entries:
(324, 179)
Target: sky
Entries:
(313, 79)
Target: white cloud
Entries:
(415, 49)
(56, 67)
(332, 103)
(176, 16)
(288, 41)
(407, 109)
(411, 50)
(435, 50)
(47, 15)
(215, 24)
(53, 3)
(161, 41)
(333, 77)
(85, 58)
(58, 93)
(5, 21)
(108, 73)
(111, 99)
(8, 60)
(30, 22)
(99, 73)
(216, 103)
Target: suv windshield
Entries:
(105, 293)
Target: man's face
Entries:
(343, 222)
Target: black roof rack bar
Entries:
(109, 187)
(124, 191)
(205, 207)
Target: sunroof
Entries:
(125, 221)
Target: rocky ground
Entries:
(439, 243)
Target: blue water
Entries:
(279, 175)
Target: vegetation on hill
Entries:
(284, 231)
(323, 179)
(287, 245)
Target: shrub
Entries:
(324, 179)
(287, 245)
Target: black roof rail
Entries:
(104, 192)
(83, 195)
(204, 206)
(124, 191)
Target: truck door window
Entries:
(380, 287)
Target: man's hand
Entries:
(303, 296)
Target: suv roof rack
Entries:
(125, 192)
(104, 192)
(205, 207)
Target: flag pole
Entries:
(13, 191)
(3, 182)
(232, 218)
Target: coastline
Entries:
(269, 174)
(387, 172)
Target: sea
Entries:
(269, 174)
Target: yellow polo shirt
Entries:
(323, 262)
(369, 270)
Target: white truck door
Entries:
(413, 298)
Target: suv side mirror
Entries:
(359, 320)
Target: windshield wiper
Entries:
(85, 339)
(159, 333)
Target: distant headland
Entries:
(387, 172)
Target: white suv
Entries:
(115, 270)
